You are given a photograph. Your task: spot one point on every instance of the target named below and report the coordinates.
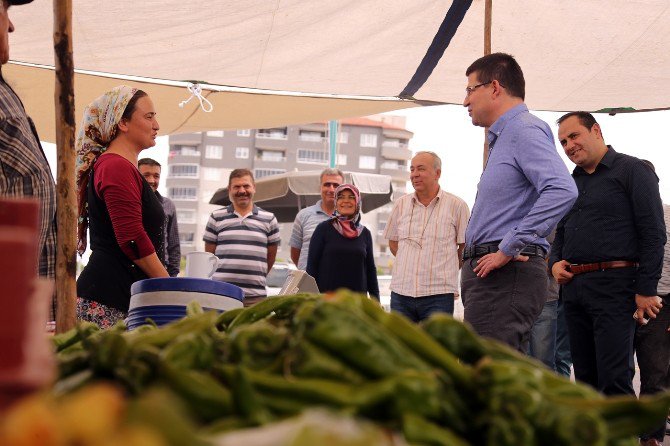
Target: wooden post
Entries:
(488, 7)
(66, 209)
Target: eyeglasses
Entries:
(469, 90)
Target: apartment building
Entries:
(199, 164)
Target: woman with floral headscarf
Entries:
(340, 252)
(116, 202)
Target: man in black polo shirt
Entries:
(607, 254)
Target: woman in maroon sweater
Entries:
(115, 201)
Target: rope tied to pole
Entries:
(196, 91)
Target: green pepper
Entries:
(427, 348)
(160, 337)
(247, 401)
(190, 351)
(358, 340)
(312, 390)
(624, 415)
(455, 336)
(207, 398)
(68, 339)
(418, 430)
(72, 382)
(73, 362)
(109, 352)
(283, 305)
(226, 318)
(259, 345)
(309, 361)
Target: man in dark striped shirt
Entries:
(24, 170)
(244, 237)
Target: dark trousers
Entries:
(599, 310)
(543, 335)
(563, 356)
(505, 304)
(652, 345)
(417, 309)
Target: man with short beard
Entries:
(244, 237)
(607, 255)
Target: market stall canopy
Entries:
(576, 54)
(285, 194)
(235, 108)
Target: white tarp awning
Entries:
(285, 194)
(576, 54)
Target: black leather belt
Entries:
(474, 251)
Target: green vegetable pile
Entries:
(438, 384)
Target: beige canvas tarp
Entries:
(576, 54)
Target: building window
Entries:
(343, 137)
(184, 151)
(393, 164)
(214, 151)
(183, 193)
(270, 155)
(242, 152)
(260, 173)
(186, 238)
(312, 156)
(341, 159)
(274, 133)
(367, 162)
(312, 136)
(368, 140)
(184, 170)
(185, 216)
(244, 132)
(218, 133)
(212, 173)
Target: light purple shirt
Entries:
(525, 188)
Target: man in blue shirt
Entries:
(523, 192)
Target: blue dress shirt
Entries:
(525, 188)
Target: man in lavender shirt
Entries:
(523, 192)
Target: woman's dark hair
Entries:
(130, 108)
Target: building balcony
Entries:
(395, 174)
(271, 135)
(397, 133)
(396, 153)
(394, 143)
(271, 159)
(187, 139)
(260, 163)
(310, 138)
(270, 143)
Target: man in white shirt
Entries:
(426, 233)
